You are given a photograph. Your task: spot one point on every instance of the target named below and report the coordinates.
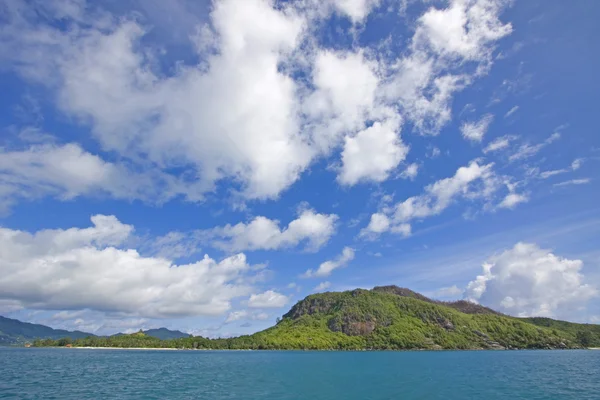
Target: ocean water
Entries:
(279, 375)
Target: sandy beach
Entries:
(119, 348)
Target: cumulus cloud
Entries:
(474, 131)
(356, 10)
(265, 234)
(264, 100)
(372, 154)
(475, 181)
(326, 268)
(530, 281)
(268, 299)
(444, 42)
(83, 268)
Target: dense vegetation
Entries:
(385, 318)
(15, 332)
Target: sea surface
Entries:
(289, 375)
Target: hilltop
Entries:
(385, 318)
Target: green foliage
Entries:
(587, 335)
(377, 320)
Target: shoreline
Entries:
(301, 350)
(111, 348)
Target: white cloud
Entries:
(582, 181)
(575, 165)
(528, 150)
(265, 234)
(243, 114)
(472, 182)
(81, 268)
(410, 172)
(463, 30)
(379, 223)
(475, 131)
(513, 199)
(511, 111)
(529, 281)
(205, 119)
(326, 268)
(356, 10)
(268, 299)
(373, 153)
(322, 286)
(499, 144)
(439, 195)
(345, 96)
(67, 171)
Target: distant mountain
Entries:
(384, 318)
(161, 333)
(13, 332)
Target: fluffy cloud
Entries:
(67, 171)
(513, 199)
(82, 268)
(265, 234)
(268, 299)
(529, 281)
(356, 10)
(372, 153)
(263, 102)
(445, 42)
(474, 131)
(326, 268)
(472, 182)
(463, 30)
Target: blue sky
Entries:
(204, 165)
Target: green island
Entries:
(384, 318)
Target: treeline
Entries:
(376, 320)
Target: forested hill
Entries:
(384, 318)
(15, 332)
(161, 333)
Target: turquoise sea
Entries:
(280, 375)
